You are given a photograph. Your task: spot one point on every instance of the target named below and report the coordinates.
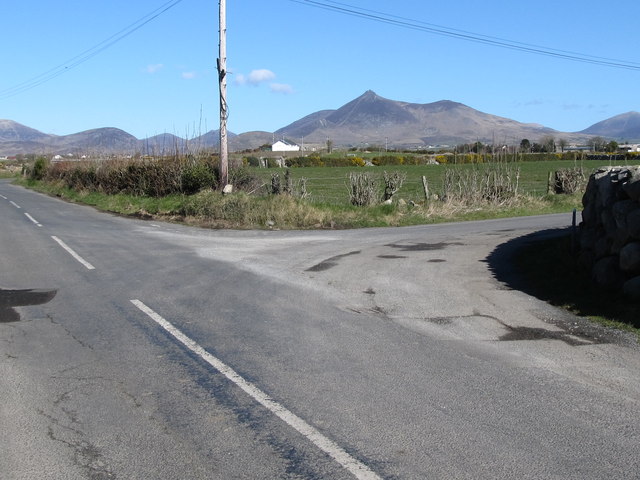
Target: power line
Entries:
(412, 24)
(87, 54)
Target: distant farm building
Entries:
(282, 146)
(630, 147)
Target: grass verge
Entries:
(241, 211)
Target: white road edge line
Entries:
(354, 466)
(33, 219)
(73, 254)
(14, 204)
(2, 196)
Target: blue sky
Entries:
(290, 58)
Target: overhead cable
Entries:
(87, 54)
(412, 24)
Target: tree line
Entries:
(547, 144)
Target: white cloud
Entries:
(153, 68)
(257, 77)
(261, 76)
(281, 88)
(189, 75)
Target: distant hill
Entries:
(621, 127)
(11, 131)
(163, 144)
(244, 141)
(367, 120)
(107, 139)
(250, 140)
(372, 119)
(16, 138)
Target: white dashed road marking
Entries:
(33, 219)
(73, 254)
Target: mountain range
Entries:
(367, 120)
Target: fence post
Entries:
(425, 184)
(574, 233)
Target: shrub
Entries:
(276, 187)
(39, 169)
(494, 183)
(388, 160)
(82, 178)
(363, 189)
(244, 179)
(287, 188)
(310, 161)
(569, 180)
(252, 161)
(196, 177)
(392, 183)
(148, 177)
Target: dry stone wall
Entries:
(610, 229)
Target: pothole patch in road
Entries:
(441, 320)
(487, 327)
(21, 298)
(473, 327)
(422, 247)
(528, 333)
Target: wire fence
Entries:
(331, 184)
(418, 183)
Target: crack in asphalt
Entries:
(85, 454)
(68, 332)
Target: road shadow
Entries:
(544, 265)
(503, 264)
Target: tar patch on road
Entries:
(330, 262)
(21, 298)
(516, 334)
(528, 333)
(422, 247)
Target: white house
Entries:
(630, 147)
(282, 146)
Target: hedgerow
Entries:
(145, 177)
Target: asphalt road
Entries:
(172, 352)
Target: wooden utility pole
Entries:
(222, 78)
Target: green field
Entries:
(330, 184)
